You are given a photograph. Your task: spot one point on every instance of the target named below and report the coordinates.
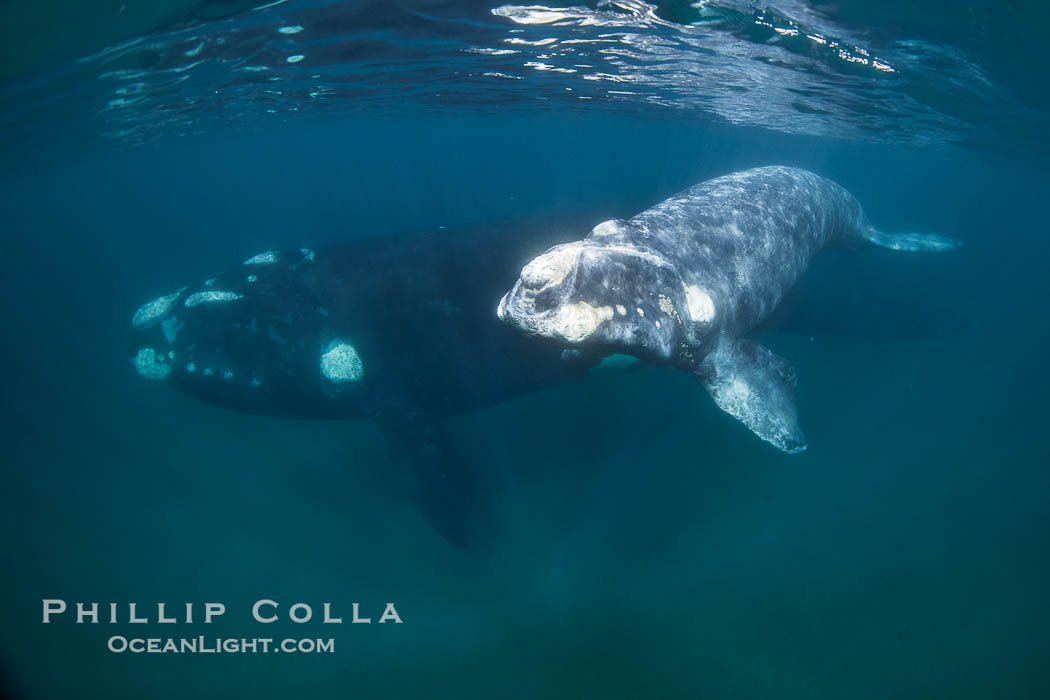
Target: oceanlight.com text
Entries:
(218, 645)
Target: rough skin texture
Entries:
(696, 273)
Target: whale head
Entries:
(612, 298)
(257, 338)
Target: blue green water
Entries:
(636, 542)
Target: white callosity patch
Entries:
(267, 258)
(340, 363)
(552, 267)
(150, 365)
(153, 310)
(307, 253)
(607, 228)
(574, 323)
(252, 278)
(667, 306)
(699, 304)
(211, 297)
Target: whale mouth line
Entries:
(511, 310)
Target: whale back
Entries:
(746, 238)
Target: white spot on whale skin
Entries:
(340, 363)
(153, 310)
(227, 374)
(576, 322)
(171, 327)
(621, 309)
(267, 258)
(211, 297)
(701, 307)
(252, 278)
(146, 364)
(552, 267)
(308, 254)
(666, 305)
(295, 59)
(191, 367)
(294, 29)
(606, 228)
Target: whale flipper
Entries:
(440, 484)
(910, 242)
(757, 387)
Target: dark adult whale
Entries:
(398, 329)
(684, 282)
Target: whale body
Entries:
(398, 329)
(684, 282)
(403, 329)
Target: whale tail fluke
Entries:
(911, 242)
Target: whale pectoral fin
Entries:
(910, 242)
(596, 364)
(755, 386)
(439, 483)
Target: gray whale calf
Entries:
(684, 283)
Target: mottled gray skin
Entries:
(684, 282)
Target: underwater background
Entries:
(636, 542)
